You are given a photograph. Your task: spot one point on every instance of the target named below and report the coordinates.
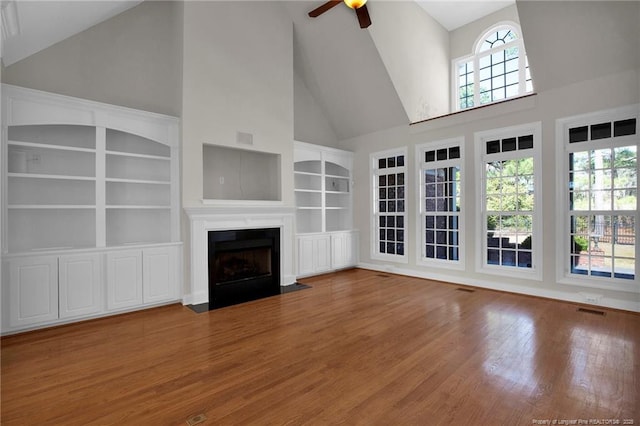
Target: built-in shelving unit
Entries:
(81, 179)
(323, 194)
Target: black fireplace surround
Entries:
(244, 265)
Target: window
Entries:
(497, 70)
(509, 226)
(440, 178)
(600, 198)
(389, 208)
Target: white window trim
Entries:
(475, 55)
(480, 139)
(420, 223)
(563, 148)
(373, 166)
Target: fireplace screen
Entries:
(242, 264)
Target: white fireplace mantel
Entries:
(221, 218)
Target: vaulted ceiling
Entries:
(360, 79)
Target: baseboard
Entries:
(577, 297)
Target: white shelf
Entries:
(132, 168)
(48, 176)
(307, 173)
(133, 155)
(322, 183)
(49, 206)
(140, 181)
(50, 146)
(82, 183)
(138, 207)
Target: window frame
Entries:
(421, 166)
(564, 274)
(475, 57)
(375, 214)
(537, 231)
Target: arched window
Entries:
(497, 70)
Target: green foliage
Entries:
(492, 222)
(580, 243)
(595, 173)
(510, 185)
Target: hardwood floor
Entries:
(358, 347)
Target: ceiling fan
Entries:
(358, 5)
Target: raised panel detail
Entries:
(124, 279)
(80, 285)
(33, 290)
(314, 254)
(323, 253)
(159, 275)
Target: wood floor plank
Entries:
(359, 347)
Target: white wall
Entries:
(240, 174)
(310, 122)
(611, 91)
(415, 50)
(569, 41)
(462, 39)
(133, 59)
(237, 76)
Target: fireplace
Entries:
(244, 265)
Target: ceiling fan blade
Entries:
(322, 9)
(363, 16)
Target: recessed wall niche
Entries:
(239, 174)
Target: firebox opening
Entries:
(244, 265)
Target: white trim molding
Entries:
(563, 149)
(480, 139)
(205, 219)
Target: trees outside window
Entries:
(598, 171)
(509, 228)
(441, 217)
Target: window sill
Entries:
(481, 112)
(443, 264)
(390, 258)
(512, 272)
(603, 284)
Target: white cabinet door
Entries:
(159, 280)
(343, 250)
(80, 280)
(305, 256)
(33, 290)
(124, 279)
(314, 254)
(322, 253)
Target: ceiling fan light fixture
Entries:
(355, 4)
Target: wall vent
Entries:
(466, 290)
(244, 138)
